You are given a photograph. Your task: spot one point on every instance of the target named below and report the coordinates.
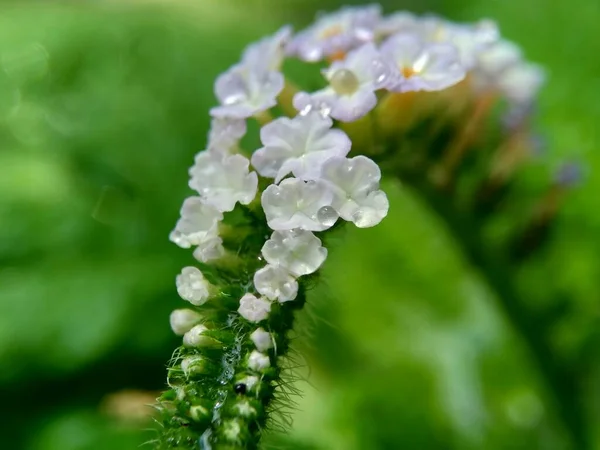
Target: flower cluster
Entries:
(314, 182)
(403, 53)
(303, 179)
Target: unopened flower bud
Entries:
(195, 365)
(262, 340)
(197, 337)
(200, 413)
(258, 361)
(183, 320)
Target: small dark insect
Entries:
(240, 388)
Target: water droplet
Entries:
(324, 109)
(204, 440)
(306, 110)
(344, 82)
(234, 98)
(240, 388)
(296, 233)
(365, 217)
(327, 216)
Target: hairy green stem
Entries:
(218, 399)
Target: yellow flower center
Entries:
(407, 72)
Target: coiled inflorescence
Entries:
(258, 220)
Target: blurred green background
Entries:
(103, 105)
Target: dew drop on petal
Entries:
(344, 82)
(365, 217)
(327, 216)
(296, 233)
(306, 110)
(325, 110)
(233, 99)
(381, 79)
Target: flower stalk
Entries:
(420, 99)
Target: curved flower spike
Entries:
(269, 52)
(198, 223)
(298, 204)
(421, 66)
(223, 181)
(224, 380)
(300, 145)
(352, 85)
(355, 184)
(336, 33)
(245, 90)
(298, 251)
(276, 283)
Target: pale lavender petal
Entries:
(337, 32)
(299, 146)
(244, 91)
(268, 53)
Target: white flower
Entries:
(355, 183)
(223, 180)
(399, 22)
(422, 66)
(275, 283)
(469, 39)
(183, 320)
(192, 286)
(299, 145)
(269, 51)
(195, 337)
(245, 90)
(298, 204)
(198, 223)
(225, 134)
(210, 250)
(254, 309)
(258, 362)
(262, 340)
(336, 33)
(520, 83)
(493, 61)
(352, 85)
(298, 251)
